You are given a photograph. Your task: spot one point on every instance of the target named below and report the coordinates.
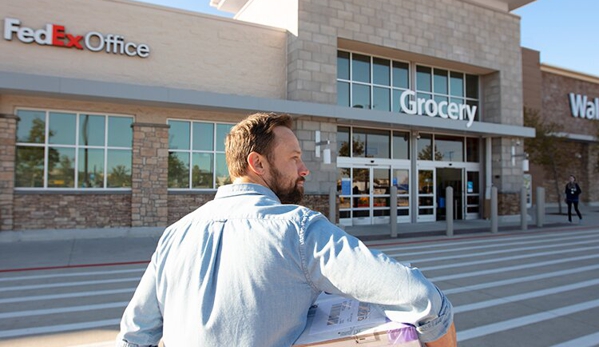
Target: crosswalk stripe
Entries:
(496, 260)
(502, 251)
(519, 280)
(519, 322)
(69, 284)
(475, 245)
(584, 341)
(66, 295)
(87, 273)
(510, 268)
(70, 309)
(524, 296)
(59, 328)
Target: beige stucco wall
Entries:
(187, 50)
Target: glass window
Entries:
(381, 71)
(203, 136)
(401, 145)
(457, 84)
(343, 65)
(120, 133)
(119, 168)
(92, 130)
(31, 127)
(29, 171)
(81, 150)
(423, 79)
(221, 132)
(440, 81)
(200, 164)
(425, 147)
(178, 135)
(371, 143)
(343, 141)
(178, 169)
(343, 94)
(62, 128)
(61, 167)
(473, 103)
(401, 179)
(91, 168)
(472, 150)
(472, 86)
(451, 148)
(360, 68)
(401, 75)
(382, 99)
(361, 96)
(201, 172)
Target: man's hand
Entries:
(447, 340)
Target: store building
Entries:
(113, 112)
(569, 100)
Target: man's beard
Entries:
(287, 195)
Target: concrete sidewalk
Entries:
(36, 249)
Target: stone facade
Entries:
(71, 211)
(149, 176)
(8, 129)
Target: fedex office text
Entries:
(55, 35)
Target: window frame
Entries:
(46, 145)
(191, 151)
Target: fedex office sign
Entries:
(56, 35)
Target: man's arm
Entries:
(447, 340)
(141, 324)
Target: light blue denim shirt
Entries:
(243, 270)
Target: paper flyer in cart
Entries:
(339, 321)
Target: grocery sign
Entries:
(56, 35)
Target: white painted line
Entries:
(30, 313)
(482, 244)
(496, 260)
(584, 341)
(519, 280)
(70, 284)
(524, 296)
(500, 241)
(58, 328)
(502, 251)
(67, 295)
(525, 320)
(510, 268)
(87, 273)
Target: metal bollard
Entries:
(540, 206)
(449, 211)
(523, 212)
(393, 211)
(494, 211)
(333, 205)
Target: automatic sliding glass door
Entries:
(426, 195)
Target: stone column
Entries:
(149, 175)
(8, 135)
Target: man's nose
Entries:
(304, 170)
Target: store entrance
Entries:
(450, 177)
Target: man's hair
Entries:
(253, 134)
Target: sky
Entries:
(566, 32)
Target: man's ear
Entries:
(256, 163)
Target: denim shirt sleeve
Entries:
(339, 263)
(141, 324)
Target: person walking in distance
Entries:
(243, 269)
(572, 193)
